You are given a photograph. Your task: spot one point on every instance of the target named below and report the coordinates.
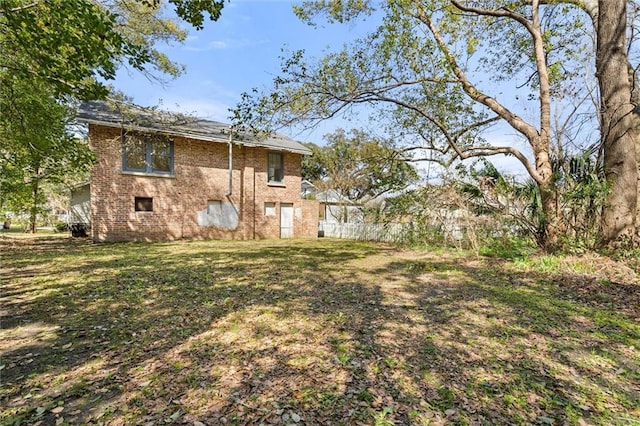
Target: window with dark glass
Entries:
(143, 204)
(147, 154)
(275, 167)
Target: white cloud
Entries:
(219, 44)
(225, 45)
(195, 48)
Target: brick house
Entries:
(162, 176)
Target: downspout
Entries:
(254, 199)
(230, 191)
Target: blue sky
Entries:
(241, 51)
(238, 52)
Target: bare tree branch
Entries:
(503, 12)
(20, 8)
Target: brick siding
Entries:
(200, 175)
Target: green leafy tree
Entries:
(38, 147)
(312, 167)
(55, 52)
(419, 69)
(75, 45)
(357, 167)
(614, 23)
(68, 44)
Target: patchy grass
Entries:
(312, 332)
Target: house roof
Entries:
(134, 117)
(331, 196)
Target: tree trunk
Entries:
(637, 129)
(550, 218)
(548, 235)
(33, 211)
(636, 126)
(551, 221)
(635, 100)
(618, 131)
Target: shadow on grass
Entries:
(533, 344)
(319, 332)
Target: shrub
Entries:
(61, 226)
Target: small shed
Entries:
(80, 210)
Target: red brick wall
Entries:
(200, 174)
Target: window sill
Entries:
(277, 184)
(143, 174)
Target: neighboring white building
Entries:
(80, 209)
(307, 189)
(335, 208)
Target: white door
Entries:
(286, 220)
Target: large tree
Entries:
(38, 147)
(420, 68)
(614, 25)
(422, 60)
(75, 45)
(620, 121)
(358, 166)
(56, 52)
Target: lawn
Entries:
(312, 332)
